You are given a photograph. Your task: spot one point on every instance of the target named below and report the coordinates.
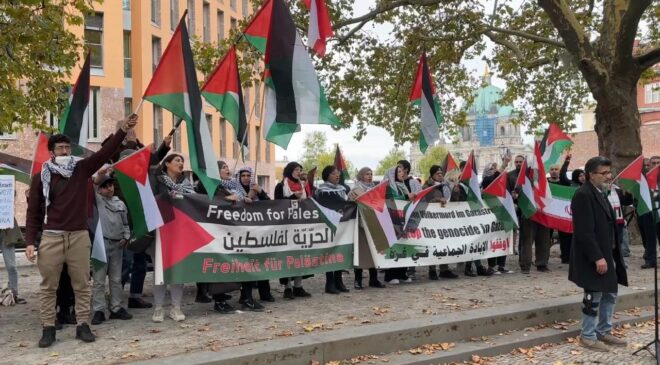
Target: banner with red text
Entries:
(446, 235)
(215, 241)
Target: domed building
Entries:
(489, 131)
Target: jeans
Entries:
(625, 241)
(9, 256)
(112, 270)
(138, 273)
(599, 320)
(646, 230)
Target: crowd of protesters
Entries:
(57, 223)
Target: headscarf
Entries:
(360, 180)
(575, 176)
(233, 185)
(249, 170)
(396, 184)
(181, 185)
(291, 184)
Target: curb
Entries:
(402, 335)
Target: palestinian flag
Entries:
(633, 180)
(553, 144)
(98, 256)
(423, 94)
(340, 164)
(15, 166)
(294, 95)
(420, 203)
(500, 202)
(320, 28)
(526, 200)
(540, 183)
(309, 185)
(329, 216)
(375, 216)
(470, 181)
(41, 154)
(223, 90)
(449, 164)
(174, 87)
(556, 213)
(132, 174)
(75, 119)
(257, 31)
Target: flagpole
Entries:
(247, 130)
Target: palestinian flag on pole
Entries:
(174, 87)
(15, 166)
(74, 121)
(223, 90)
(652, 178)
(375, 216)
(320, 28)
(542, 192)
(329, 216)
(553, 144)
(499, 201)
(449, 164)
(340, 164)
(309, 184)
(294, 95)
(556, 213)
(98, 256)
(41, 154)
(132, 174)
(411, 218)
(526, 201)
(256, 32)
(423, 94)
(633, 180)
(470, 181)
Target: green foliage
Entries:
(435, 155)
(37, 55)
(316, 153)
(389, 161)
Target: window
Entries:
(126, 4)
(128, 73)
(128, 106)
(94, 114)
(257, 147)
(652, 93)
(244, 8)
(248, 109)
(223, 137)
(176, 141)
(156, 51)
(221, 25)
(7, 135)
(191, 17)
(155, 12)
(233, 23)
(235, 147)
(263, 181)
(232, 4)
(94, 38)
(52, 120)
(158, 124)
(257, 100)
(209, 122)
(206, 18)
(174, 14)
(502, 131)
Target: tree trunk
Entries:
(617, 121)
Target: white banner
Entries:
(7, 186)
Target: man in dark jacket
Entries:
(596, 264)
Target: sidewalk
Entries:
(204, 329)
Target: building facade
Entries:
(127, 39)
(489, 131)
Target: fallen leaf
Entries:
(154, 330)
(54, 354)
(576, 352)
(128, 354)
(285, 333)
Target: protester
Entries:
(398, 190)
(441, 194)
(364, 183)
(496, 265)
(8, 239)
(113, 215)
(596, 262)
(170, 181)
(577, 177)
(559, 175)
(332, 195)
(255, 193)
(58, 209)
(511, 182)
(647, 230)
(292, 188)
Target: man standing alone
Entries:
(58, 206)
(596, 264)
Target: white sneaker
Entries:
(393, 281)
(409, 280)
(158, 315)
(176, 314)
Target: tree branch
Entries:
(627, 30)
(648, 59)
(523, 34)
(516, 50)
(345, 37)
(383, 8)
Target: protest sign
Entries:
(7, 186)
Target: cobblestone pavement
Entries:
(204, 329)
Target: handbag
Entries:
(141, 244)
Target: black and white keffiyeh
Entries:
(63, 167)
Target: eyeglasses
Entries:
(62, 147)
(604, 173)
